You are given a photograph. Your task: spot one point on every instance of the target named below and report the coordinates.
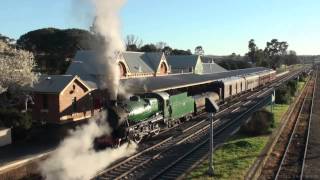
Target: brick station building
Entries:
(63, 98)
(82, 91)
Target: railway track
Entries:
(311, 161)
(287, 159)
(309, 124)
(182, 162)
(143, 160)
(291, 165)
(170, 149)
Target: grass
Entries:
(300, 85)
(233, 159)
(278, 110)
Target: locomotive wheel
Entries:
(137, 138)
(156, 127)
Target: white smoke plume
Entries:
(75, 158)
(107, 25)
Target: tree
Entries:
(160, 45)
(6, 39)
(260, 58)
(199, 50)
(291, 58)
(149, 48)
(132, 47)
(53, 47)
(181, 52)
(167, 50)
(275, 50)
(133, 43)
(233, 62)
(252, 50)
(16, 68)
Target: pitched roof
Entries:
(52, 83)
(86, 62)
(182, 61)
(142, 61)
(55, 83)
(163, 83)
(209, 68)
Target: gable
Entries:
(75, 85)
(164, 61)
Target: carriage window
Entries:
(230, 90)
(241, 86)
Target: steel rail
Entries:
(296, 123)
(309, 126)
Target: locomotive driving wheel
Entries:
(137, 138)
(156, 128)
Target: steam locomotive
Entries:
(146, 114)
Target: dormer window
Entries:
(163, 68)
(123, 70)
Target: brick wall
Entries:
(49, 114)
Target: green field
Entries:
(278, 110)
(233, 159)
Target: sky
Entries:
(221, 27)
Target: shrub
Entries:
(19, 122)
(292, 87)
(303, 77)
(260, 123)
(282, 95)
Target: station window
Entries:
(74, 104)
(45, 101)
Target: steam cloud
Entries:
(75, 158)
(107, 25)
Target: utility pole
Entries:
(211, 107)
(211, 169)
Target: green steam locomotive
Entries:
(146, 114)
